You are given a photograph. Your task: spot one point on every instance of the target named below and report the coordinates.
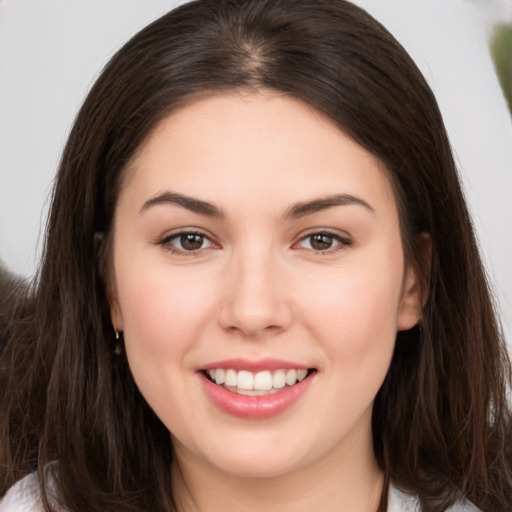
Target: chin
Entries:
(260, 469)
(257, 460)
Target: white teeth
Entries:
(245, 380)
(279, 379)
(291, 377)
(230, 378)
(255, 392)
(249, 383)
(220, 376)
(263, 381)
(301, 374)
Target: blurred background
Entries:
(52, 50)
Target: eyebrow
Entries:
(190, 203)
(316, 205)
(296, 211)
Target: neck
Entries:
(341, 481)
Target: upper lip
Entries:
(254, 365)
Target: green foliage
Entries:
(501, 48)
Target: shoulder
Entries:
(401, 502)
(23, 496)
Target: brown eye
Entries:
(321, 242)
(324, 242)
(191, 241)
(186, 242)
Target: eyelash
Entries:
(342, 242)
(166, 242)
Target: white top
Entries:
(400, 502)
(24, 497)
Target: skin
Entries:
(257, 287)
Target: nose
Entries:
(255, 296)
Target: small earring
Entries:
(118, 349)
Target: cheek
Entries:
(356, 314)
(163, 313)
(162, 308)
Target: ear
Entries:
(415, 289)
(116, 315)
(115, 311)
(102, 247)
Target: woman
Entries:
(260, 288)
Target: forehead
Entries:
(252, 145)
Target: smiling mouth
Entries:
(244, 382)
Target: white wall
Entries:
(51, 51)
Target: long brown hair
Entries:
(441, 425)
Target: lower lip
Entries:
(255, 407)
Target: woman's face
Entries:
(254, 244)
